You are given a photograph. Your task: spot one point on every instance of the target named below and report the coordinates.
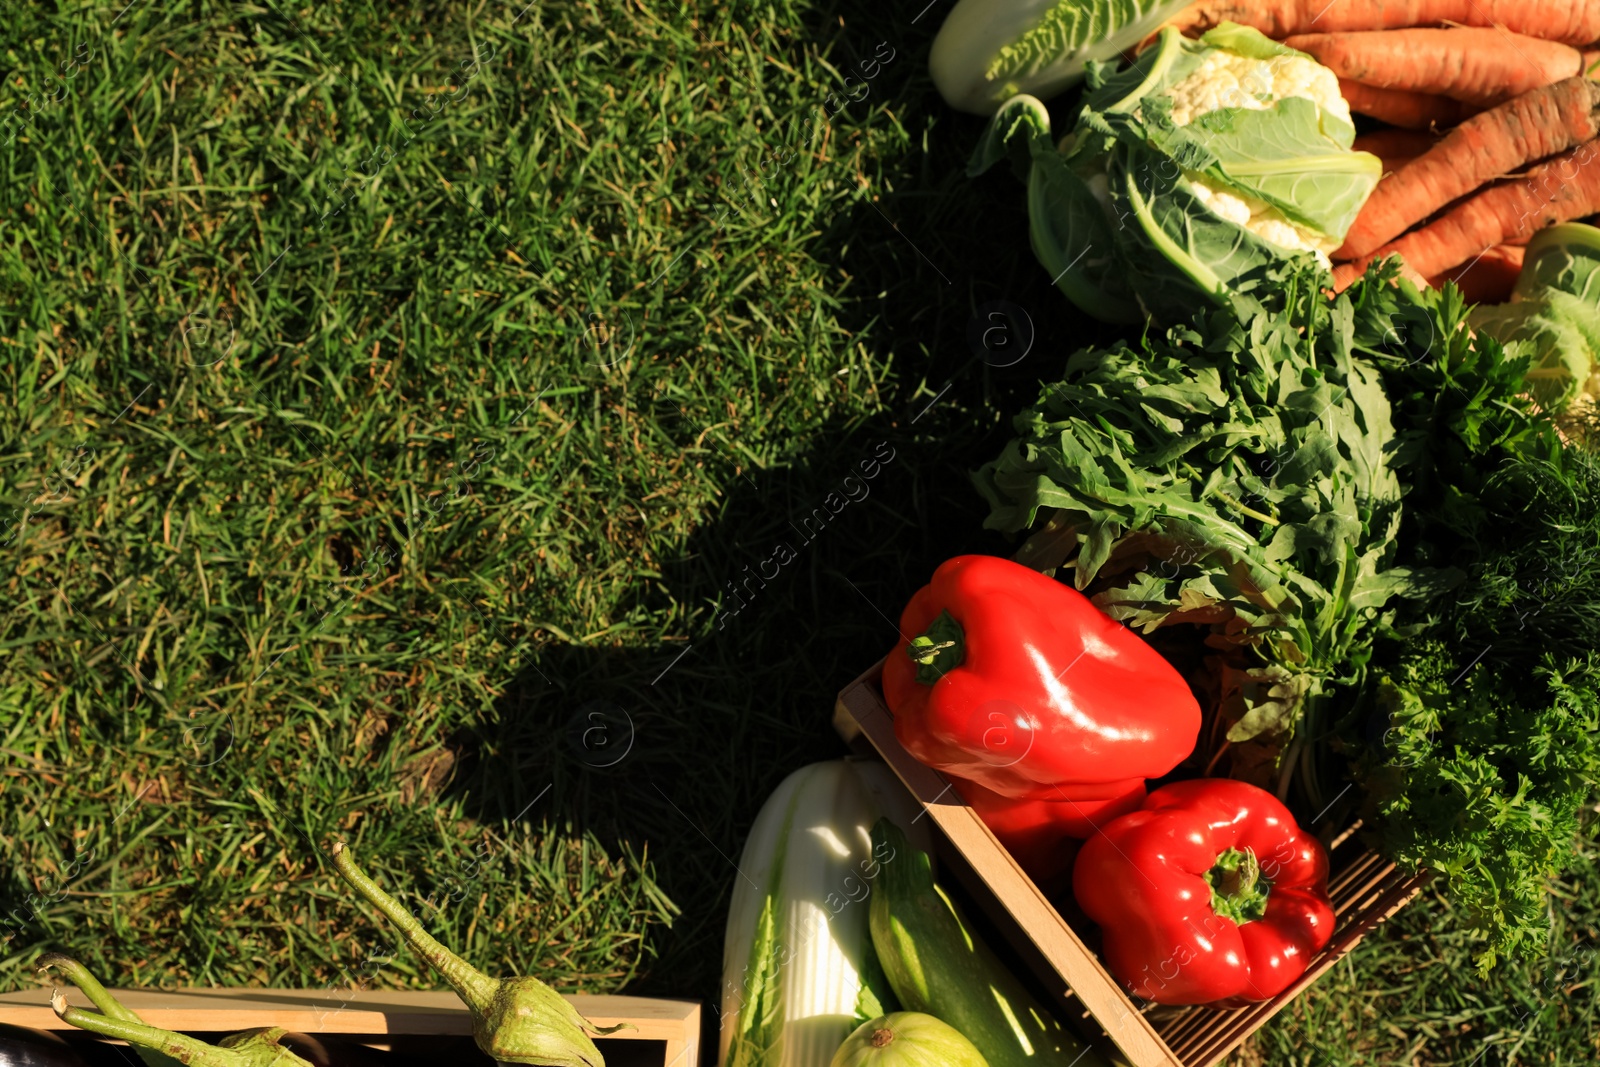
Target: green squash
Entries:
(907, 1039)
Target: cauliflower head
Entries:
(1227, 79)
(1201, 170)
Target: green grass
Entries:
(411, 523)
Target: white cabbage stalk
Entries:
(988, 51)
(799, 969)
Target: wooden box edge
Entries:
(861, 712)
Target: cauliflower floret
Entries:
(1227, 79)
(1263, 220)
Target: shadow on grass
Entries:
(795, 587)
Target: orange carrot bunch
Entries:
(1492, 121)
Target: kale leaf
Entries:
(1235, 473)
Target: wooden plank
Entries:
(1346, 834)
(343, 1011)
(1012, 888)
(1368, 866)
(1182, 1033)
(1214, 1021)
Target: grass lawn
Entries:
(404, 405)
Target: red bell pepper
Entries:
(1009, 679)
(1208, 894)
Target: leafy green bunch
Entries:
(1481, 775)
(1236, 474)
(1489, 745)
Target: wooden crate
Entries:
(375, 1017)
(1365, 890)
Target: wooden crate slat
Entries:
(369, 1013)
(1346, 834)
(1190, 1029)
(1214, 1022)
(1344, 885)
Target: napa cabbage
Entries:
(988, 51)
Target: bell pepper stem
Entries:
(940, 649)
(471, 984)
(179, 1047)
(1238, 890)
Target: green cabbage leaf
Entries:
(1554, 318)
(1159, 244)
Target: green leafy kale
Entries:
(1235, 474)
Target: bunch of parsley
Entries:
(1480, 775)
(1484, 745)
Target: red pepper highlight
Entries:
(1209, 894)
(1026, 688)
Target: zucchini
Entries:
(936, 965)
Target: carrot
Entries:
(1566, 188)
(1397, 107)
(1489, 278)
(1395, 147)
(1484, 67)
(1575, 22)
(1481, 149)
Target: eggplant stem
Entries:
(471, 984)
(178, 1046)
(90, 986)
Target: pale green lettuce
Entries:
(1554, 318)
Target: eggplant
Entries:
(21, 1047)
(514, 1020)
(264, 1045)
(334, 1052)
(109, 1005)
(252, 1048)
